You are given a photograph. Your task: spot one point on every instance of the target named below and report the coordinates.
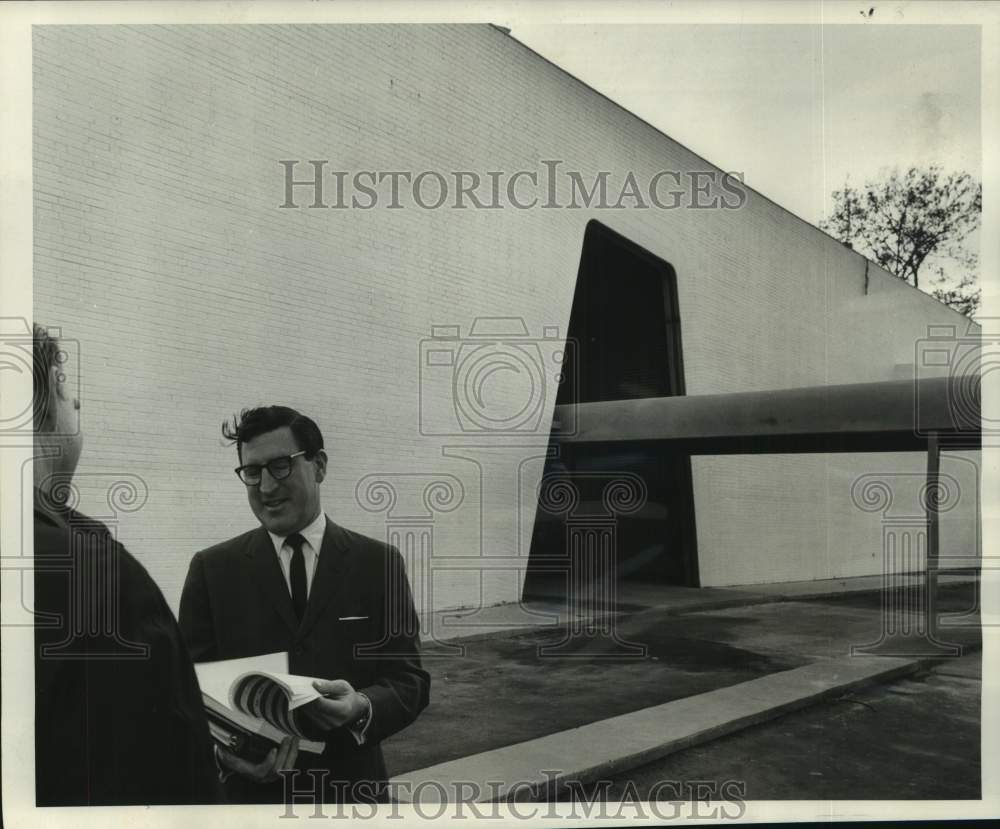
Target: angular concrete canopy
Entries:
(893, 416)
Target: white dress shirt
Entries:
(313, 534)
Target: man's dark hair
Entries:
(257, 421)
(44, 355)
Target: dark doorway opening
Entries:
(623, 343)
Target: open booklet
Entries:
(251, 703)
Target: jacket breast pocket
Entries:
(358, 629)
(355, 646)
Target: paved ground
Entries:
(635, 596)
(917, 738)
(502, 691)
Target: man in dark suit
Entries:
(339, 603)
(118, 713)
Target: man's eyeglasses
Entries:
(279, 469)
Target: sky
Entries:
(798, 109)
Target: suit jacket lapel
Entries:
(329, 578)
(268, 573)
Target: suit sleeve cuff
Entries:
(359, 728)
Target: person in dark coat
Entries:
(119, 718)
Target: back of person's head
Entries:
(257, 421)
(45, 355)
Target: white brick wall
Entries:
(160, 246)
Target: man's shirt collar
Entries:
(313, 533)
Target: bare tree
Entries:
(915, 225)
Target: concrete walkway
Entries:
(918, 737)
(503, 716)
(606, 747)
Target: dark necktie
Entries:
(297, 574)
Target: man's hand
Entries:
(340, 705)
(266, 771)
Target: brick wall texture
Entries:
(161, 247)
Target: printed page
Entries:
(215, 678)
